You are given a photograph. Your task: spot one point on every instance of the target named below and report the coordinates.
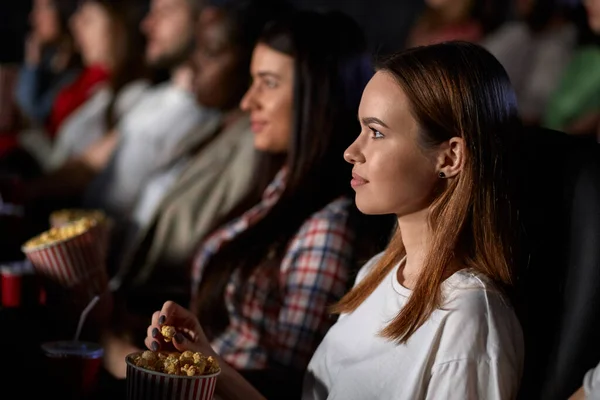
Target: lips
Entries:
(257, 126)
(358, 181)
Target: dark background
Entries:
(386, 22)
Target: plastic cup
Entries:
(73, 368)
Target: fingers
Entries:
(171, 312)
(178, 316)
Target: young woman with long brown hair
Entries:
(430, 317)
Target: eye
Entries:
(376, 134)
(271, 83)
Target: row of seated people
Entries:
(239, 206)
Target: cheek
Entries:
(398, 184)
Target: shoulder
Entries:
(327, 227)
(365, 269)
(477, 319)
(337, 210)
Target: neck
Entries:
(415, 237)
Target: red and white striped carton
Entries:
(77, 262)
(104, 223)
(143, 384)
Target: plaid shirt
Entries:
(281, 323)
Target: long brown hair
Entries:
(456, 89)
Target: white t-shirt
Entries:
(470, 349)
(591, 384)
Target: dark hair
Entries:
(544, 10)
(456, 89)
(244, 22)
(489, 14)
(127, 43)
(585, 34)
(331, 70)
(65, 10)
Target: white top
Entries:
(472, 349)
(591, 384)
(149, 134)
(87, 124)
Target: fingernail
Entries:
(162, 319)
(154, 332)
(179, 338)
(155, 346)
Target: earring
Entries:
(442, 175)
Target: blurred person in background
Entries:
(535, 50)
(468, 20)
(167, 112)
(111, 45)
(590, 389)
(200, 180)
(264, 276)
(108, 37)
(51, 60)
(574, 107)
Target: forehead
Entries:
(170, 4)
(265, 59)
(383, 98)
(212, 29)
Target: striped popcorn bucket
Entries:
(104, 224)
(77, 264)
(150, 385)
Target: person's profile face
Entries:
(216, 64)
(45, 21)
(169, 30)
(270, 99)
(391, 173)
(91, 26)
(592, 8)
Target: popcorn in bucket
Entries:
(172, 376)
(72, 256)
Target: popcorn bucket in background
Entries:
(68, 216)
(71, 260)
(146, 384)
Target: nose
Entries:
(248, 102)
(353, 154)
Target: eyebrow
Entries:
(266, 74)
(373, 120)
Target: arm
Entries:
(73, 177)
(149, 133)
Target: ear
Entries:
(451, 157)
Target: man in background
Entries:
(151, 130)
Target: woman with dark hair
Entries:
(51, 61)
(111, 45)
(445, 20)
(108, 36)
(535, 49)
(263, 277)
(429, 317)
